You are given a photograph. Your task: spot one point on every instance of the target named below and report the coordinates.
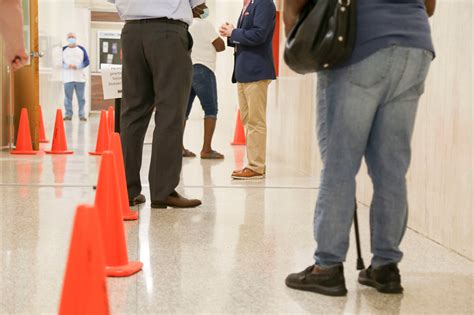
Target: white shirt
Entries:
(204, 34)
(147, 9)
(73, 56)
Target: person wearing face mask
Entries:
(75, 60)
(207, 44)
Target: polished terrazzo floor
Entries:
(229, 256)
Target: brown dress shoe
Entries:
(247, 174)
(175, 200)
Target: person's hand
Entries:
(74, 67)
(226, 30)
(19, 60)
(291, 11)
(11, 29)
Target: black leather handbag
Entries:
(323, 37)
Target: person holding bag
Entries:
(372, 59)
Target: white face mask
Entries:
(205, 14)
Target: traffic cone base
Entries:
(124, 271)
(59, 152)
(32, 152)
(131, 215)
(23, 143)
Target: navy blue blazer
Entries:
(252, 39)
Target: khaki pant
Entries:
(253, 111)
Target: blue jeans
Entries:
(367, 110)
(68, 92)
(205, 88)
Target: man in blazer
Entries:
(253, 71)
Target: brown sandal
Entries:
(188, 154)
(213, 155)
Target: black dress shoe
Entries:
(327, 281)
(385, 279)
(137, 200)
(175, 200)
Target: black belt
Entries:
(159, 20)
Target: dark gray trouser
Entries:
(157, 73)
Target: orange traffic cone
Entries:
(23, 141)
(85, 287)
(111, 118)
(116, 148)
(103, 136)
(108, 201)
(239, 135)
(59, 137)
(42, 133)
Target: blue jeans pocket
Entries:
(372, 70)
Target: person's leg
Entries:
(80, 90)
(243, 105)
(192, 97)
(137, 105)
(388, 156)
(206, 90)
(348, 99)
(256, 94)
(172, 77)
(68, 93)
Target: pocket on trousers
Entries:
(372, 70)
(190, 41)
(424, 69)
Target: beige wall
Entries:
(441, 176)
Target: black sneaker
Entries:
(137, 200)
(385, 279)
(67, 118)
(327, 281)
(83, 119)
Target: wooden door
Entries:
(26, 80)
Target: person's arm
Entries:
(230, 43)
(430, 7)
(291, 12)
(219, 44)
(263, 24)
(11, 29)
(213, 36)
(85, 63)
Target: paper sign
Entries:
(105, 47)
(112, 82)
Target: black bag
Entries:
(323, 37)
